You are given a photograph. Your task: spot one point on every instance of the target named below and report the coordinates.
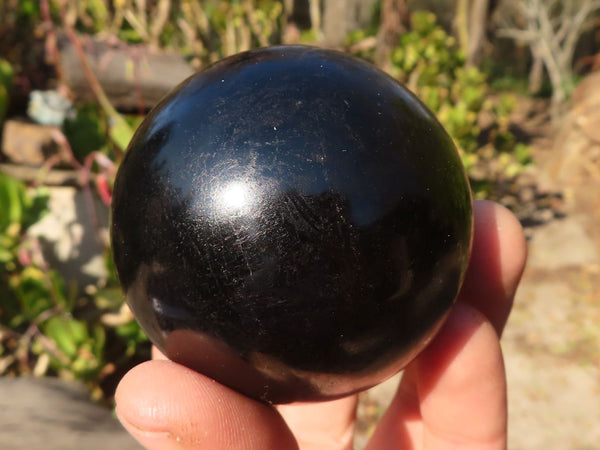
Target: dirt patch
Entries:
(552, 340)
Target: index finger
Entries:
(497, 262)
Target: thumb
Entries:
(166, 406)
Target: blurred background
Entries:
(515, 82)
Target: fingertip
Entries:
(497, 262)
(494, 219)
(165, 405)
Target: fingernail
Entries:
(150, 439)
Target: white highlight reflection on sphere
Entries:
(234, 196)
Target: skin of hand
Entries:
(453, 395)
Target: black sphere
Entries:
(293, 223)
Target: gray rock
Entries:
(50, 107)
(27, 143)
(69, 238)
(130, 75)
(53, 414)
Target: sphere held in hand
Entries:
(293, 223)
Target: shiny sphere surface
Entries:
(291, 222)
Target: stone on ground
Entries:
(52, 414)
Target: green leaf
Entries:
(131, 331)
(36, 205)
(86, 132)
(422, 22)
(31, 289)
(98, 12)
(29, 8)
(12, 194)
(121, 133)
(6, 74)
(18, 204)
(6, 80)
(66, 333)
(6, 255)
(133, 335)
(523, 153)
(109, 298)
(98, 340)
(83, 346)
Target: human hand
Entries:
(452, 395)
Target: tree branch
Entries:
(519, 35)
(552, 29)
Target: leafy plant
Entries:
(205, 30)
(86, 131)
(430, 63)
(20, 285)
(6, 78)
(45, 327)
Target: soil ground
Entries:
(552, 341)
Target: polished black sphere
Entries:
(293, 223)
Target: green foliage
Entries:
(93, 129)
(20, 208)
(214, 29)
(21, 288)
(120, 131)
(79, 346)
(205, 30)
(6, 78)
(29, 8)
(86, 132)
(430, 63)
(96, 9)
(18, 12)
(46, 326)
